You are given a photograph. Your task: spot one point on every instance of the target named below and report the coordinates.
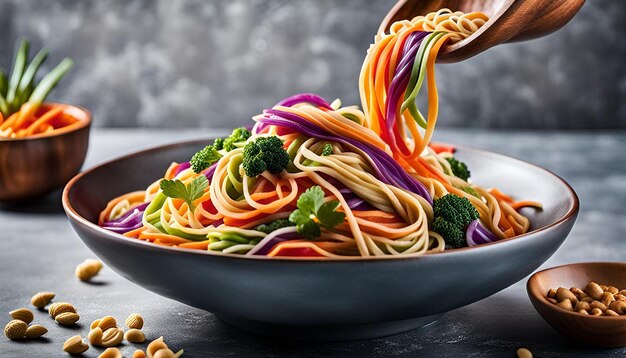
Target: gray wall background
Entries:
(214, 64)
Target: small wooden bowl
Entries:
(602, 331)
(33, 166)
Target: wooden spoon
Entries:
(509, 21)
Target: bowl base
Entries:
(330, 332)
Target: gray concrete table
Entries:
(39, 250)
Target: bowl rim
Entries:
(80, 124)
(533, 291)
(74, 216)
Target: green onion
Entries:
(50, 80)
(28, 79)
(16, 72)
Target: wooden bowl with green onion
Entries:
(42, 144)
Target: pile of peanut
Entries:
(595, 300)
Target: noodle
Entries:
(376, 164)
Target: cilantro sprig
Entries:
(313, 213)
(189, 193)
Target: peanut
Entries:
(599, 305)
(612, 289)
(607, 298)
(107, 322)
(618, 306)
(134, 335)
(139, 354)
(67, 318)
(88, 269)
(112, 337)
(551, 293)
(75, 345)
(164, 353)
(57, 308)
(35, 331)
(41, 299)
(611, 313)
(15, 329)
(582, 305)
(596, 312)
(95, 336)
(524, 353)
(583, 312)
(111, 353)
(587, 299)
(134, 321)
(578, 292)
(566, 304)
(552, 300)
(565, 294)
(23, 314)
(594, 290)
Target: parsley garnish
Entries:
(189, 193)
(313, 213)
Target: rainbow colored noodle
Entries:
(376, 163)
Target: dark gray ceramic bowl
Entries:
(321, 299)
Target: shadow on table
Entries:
(498, 326)
(49, 204)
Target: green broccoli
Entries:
(204, 158)
(264, 153)
(239, 135)
(328, 150)
(459, 169)
(452, 216)
(274, 225)
(218, 143)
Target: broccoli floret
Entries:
(274, 225)
(239, 135)
(452, 216)
(459, 169)
(218, 143)
(328, 150)
(264, 153)
(204, 158)
(452, 234)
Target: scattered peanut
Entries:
(95, 336)
(139, 354)
(524, 353)
(75, 345)
(35, 331)
(111, 353)
(135, 335)
(106, 322)
(15, 329)
(88, 269)
(23, 314)
(112, 337)
(57, 308)
(41, 299)
(595, 299)
(67, 318)
(158, 349)
(134, 321)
